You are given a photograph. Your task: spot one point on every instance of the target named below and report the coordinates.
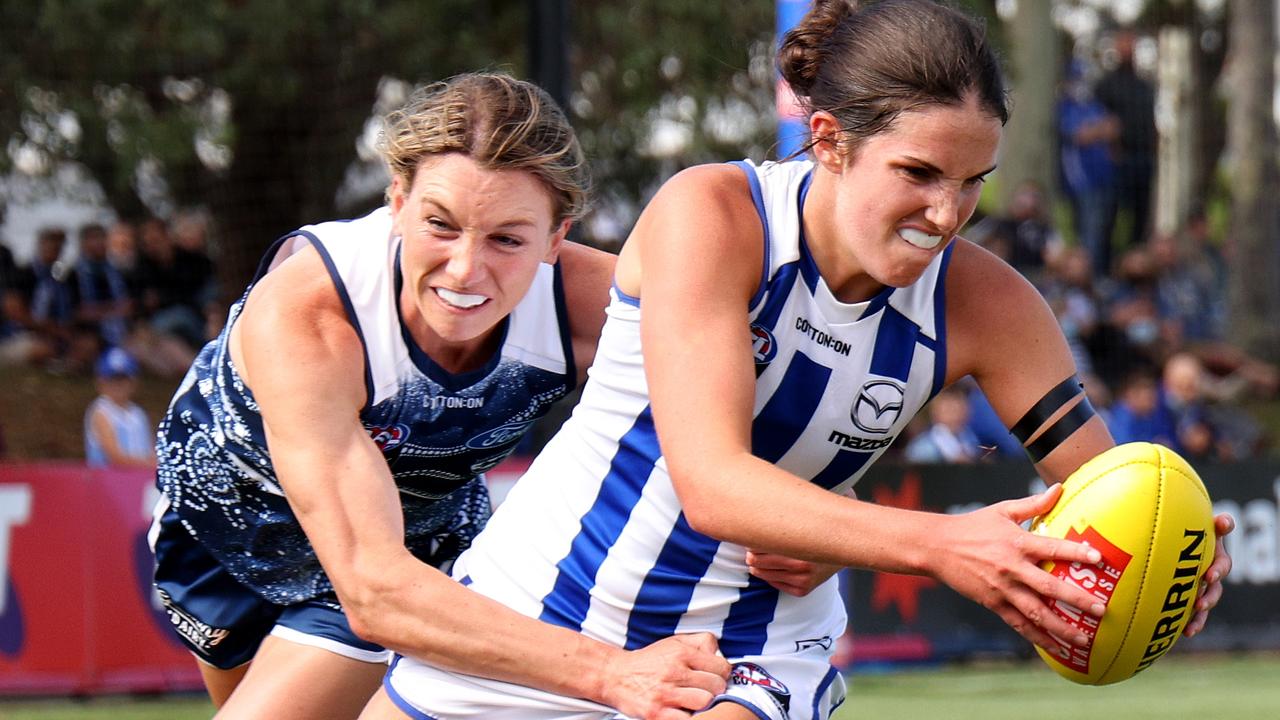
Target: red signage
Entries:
(77, 611)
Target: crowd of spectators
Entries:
(1144, 313)
(148, 287)
(1149, 337)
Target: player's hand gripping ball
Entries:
(1148, 513)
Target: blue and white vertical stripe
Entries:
(593, 537)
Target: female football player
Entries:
(324, 458)
(773, 328)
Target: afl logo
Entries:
(878, 406)
(503, 435)
(389, 437)
(752, 674)
(763, 347)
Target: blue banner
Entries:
(792, 130)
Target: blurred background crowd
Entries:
(146, 286)
(200, 148)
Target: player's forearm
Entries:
(750, 502)
(420, 612)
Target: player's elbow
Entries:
(703, 508)
(706, 521)
(368, 601)
(365, 615)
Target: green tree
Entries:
(660, 85)
(1252, 140)
(250, 107)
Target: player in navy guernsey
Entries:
(322, 461)
(772, 329)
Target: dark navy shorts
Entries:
(223, 622)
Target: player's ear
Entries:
(397, 194)
(557, 241)
(825, 130)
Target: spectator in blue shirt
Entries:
(103, 294)
(1138, 415)
(1086, 133)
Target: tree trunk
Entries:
(1255, 182)
(1030, 148)
(1177, 162)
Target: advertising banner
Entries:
(904, 617)
(78, 614)
(77, 611)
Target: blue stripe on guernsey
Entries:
(342, 293)
(895, 345)
(783, 280)
(841, 468)
(877, 303)
(748, 620)
(664, 594)
(775, 428)
(808, 268)
(567, 603)
(940, 322)
(757, 197)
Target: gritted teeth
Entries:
(457, 299)
(920, 238)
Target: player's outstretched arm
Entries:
(343, 494)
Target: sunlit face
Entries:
(473, 239)
(879, 215)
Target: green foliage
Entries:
(254, 108)
(701, 74)
(139, 77)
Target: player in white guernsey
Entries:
(323, 460)
(773, 328)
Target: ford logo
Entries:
(504, 435)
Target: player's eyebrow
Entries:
(934, 169)
(430, 203)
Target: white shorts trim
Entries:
(377, 657)
(424, 692)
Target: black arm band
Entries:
(1043, 410)
(1058, 432)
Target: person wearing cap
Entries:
(117, 432)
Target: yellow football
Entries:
(1148, 513)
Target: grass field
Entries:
(1199, 687)
(1178, 688)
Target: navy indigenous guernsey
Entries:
(438, 432)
